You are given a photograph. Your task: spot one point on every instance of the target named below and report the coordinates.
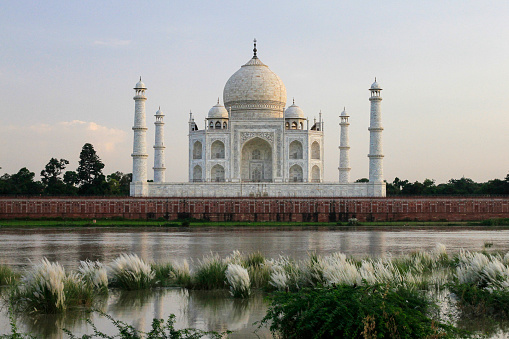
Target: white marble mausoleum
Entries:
(254, 145)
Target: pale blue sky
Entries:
(444, 67)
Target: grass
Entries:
(480, 280)
(210, 273)
(7, 275)
(130, 272)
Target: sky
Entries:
(68, 69)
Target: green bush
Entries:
(475, 301)
(354, 312)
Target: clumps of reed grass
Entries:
(286, 274)
(77, 291)
(238, 280)
(7, 275)
(130, 272)
(41, 289)
(180, 274)
(487, 272)
(481, 283)
(162, 273)
(94, 274)
(210, 273)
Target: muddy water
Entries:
(206, 310)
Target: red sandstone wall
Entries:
(258, 209)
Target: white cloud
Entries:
(32, 146)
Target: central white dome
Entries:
(255, 86)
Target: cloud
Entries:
(32, 146)
(112, 42)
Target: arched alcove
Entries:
(315, 174)
(197, 150)
(295, 173)
(295, 150)
(197, 173)
(315, 150)
(256, 163)
(217, 150)
(217, 173)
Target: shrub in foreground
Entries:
(354, 312)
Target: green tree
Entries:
(90, 176)
(53, 183)
(21, 183)
(118, 183)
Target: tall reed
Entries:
(238, 280)
(41, 289)
(130, 272)
(210, 273)
(94, 274)
(7, 275)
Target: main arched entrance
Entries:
(256, 161)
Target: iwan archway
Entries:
(256, 161)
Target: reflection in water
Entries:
(70, 245)
(215, 311)
(210, 311)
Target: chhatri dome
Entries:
(294, 112)
(218, 112)
(255, 86)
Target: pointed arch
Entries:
(217, 173)
(295, 150)
(296, 173)
(217, 150)
(256, 160)
(197, 173)
(197, 150)
(315, 174)
(315, 150)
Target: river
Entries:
(208, 310)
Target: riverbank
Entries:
(118, 222)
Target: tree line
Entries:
(463, 186)
(88, 179)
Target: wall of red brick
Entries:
(259, 209)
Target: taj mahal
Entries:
(255, 146)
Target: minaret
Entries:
(344, 150)
(159, 148)
(138, 185)
(375, 135)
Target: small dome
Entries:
(159, 112)
(344, 114)
(218, 112)
(375, 85)
(294, 112)
(140, 85)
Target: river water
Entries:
(208, 310)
